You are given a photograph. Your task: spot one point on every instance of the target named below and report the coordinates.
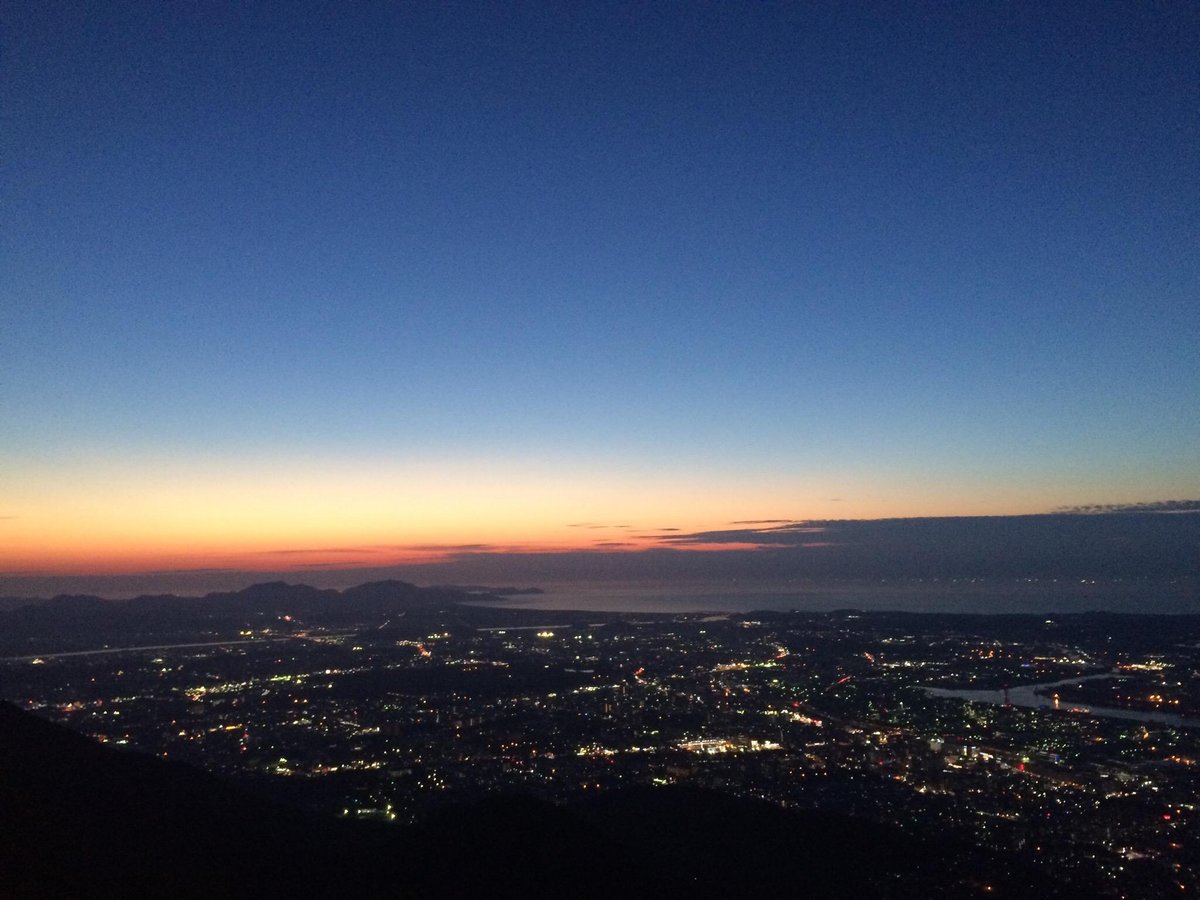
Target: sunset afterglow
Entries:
(450, 283)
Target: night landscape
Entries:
(679, 450)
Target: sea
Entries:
(970, 596)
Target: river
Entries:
(1027, 696)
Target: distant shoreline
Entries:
(966, 596)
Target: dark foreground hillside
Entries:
(79, 819)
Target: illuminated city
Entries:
(670, 450)
(863, 713)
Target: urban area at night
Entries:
(1072, 740)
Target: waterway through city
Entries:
(1030, 697)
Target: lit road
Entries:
(145, 647)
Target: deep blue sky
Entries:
(923, 258)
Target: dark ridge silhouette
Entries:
(382, 596)
(86, 622)
(397, 608)
(78, 603)
(1155, 543)
(508, 591)
(84, 820)
(806, 853)
(266, 597)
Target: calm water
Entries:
(965, 596)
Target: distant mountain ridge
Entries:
(508, 591)
(72, 621)
(271, 595)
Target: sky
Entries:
(290, 285)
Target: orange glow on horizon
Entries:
(155, 515)
(117, 561)
(164, 515)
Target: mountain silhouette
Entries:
(69, 622)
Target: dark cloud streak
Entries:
(1152, 506)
